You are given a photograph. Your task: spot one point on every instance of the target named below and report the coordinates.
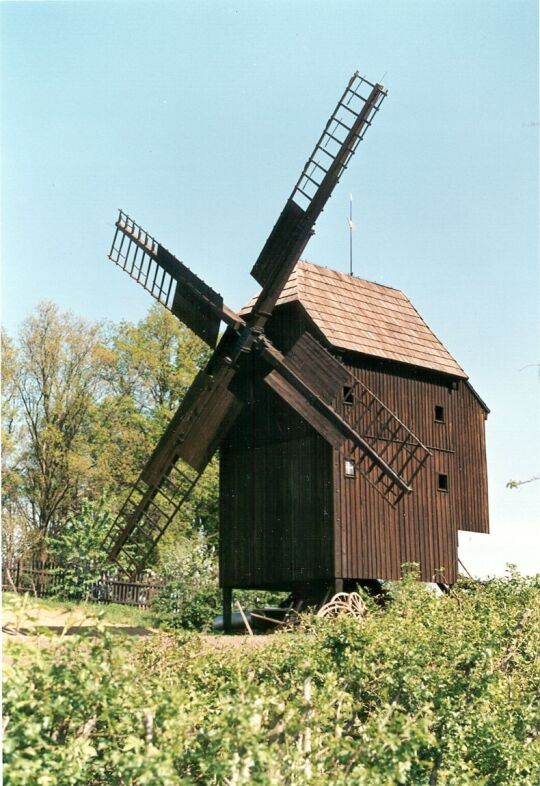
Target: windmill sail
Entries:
(210, 407)
(344, 130)
(168, 280)
(393, 442)
(146, 514)
(176, 464)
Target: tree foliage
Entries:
(78, 550)
(56, 372)
(83, 407)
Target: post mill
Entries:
(350, 439)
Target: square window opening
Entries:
(350, 468)
(443, 482)
(439, 414)
(348, 396)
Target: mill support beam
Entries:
(278, 361)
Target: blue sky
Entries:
(197, 117)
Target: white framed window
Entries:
(350, 468)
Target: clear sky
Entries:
(197, 117)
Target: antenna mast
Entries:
(351, 227)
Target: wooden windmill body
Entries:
(350, 439)
(294, 509)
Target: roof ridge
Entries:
(347, 277)
(364, 316)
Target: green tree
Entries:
(78, 549)
(56, 371)
(16, 529)
(155, 362)
(83, 407)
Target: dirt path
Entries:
(237, 641)
(36, 625)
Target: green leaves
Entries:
(78, 550)
(190, 597)
(430, 690)
(83, 408)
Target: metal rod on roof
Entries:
(351, 227)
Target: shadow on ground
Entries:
(77, 630)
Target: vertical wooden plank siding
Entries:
(276, 494)
(290, 515)
(471, 498)
(423, 528)
(282, 532)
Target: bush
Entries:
(78, 550)
(190, 597)
(78, 713)
(429, 690)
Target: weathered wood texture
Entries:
(374, 540)
(471, 491)
(276, 497)
(276, 489)
(288, 512)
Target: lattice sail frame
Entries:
(387, 453)
(146, 514)
(344, 130)
(168, 280)
(135, 251)
(155, 499)
(330, 144)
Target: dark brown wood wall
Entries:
(276, 514)
(288, 513)
(276, 494)
(372, 539)
(472, 511)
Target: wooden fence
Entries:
(44, 579)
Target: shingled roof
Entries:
(361, 316)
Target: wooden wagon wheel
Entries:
(357, 605)
(349, 603)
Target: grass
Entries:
(112, 613)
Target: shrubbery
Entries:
(191, 598)
(78, 550)
(430, 690)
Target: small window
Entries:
(348, 397)
(443, 482)
(350, 468)
(439, 414)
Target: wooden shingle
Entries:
(361, 316)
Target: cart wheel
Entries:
(348, 603)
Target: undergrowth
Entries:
(429, 691)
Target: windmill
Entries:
(308, 377)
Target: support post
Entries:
(338, 586)
(227, 610)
